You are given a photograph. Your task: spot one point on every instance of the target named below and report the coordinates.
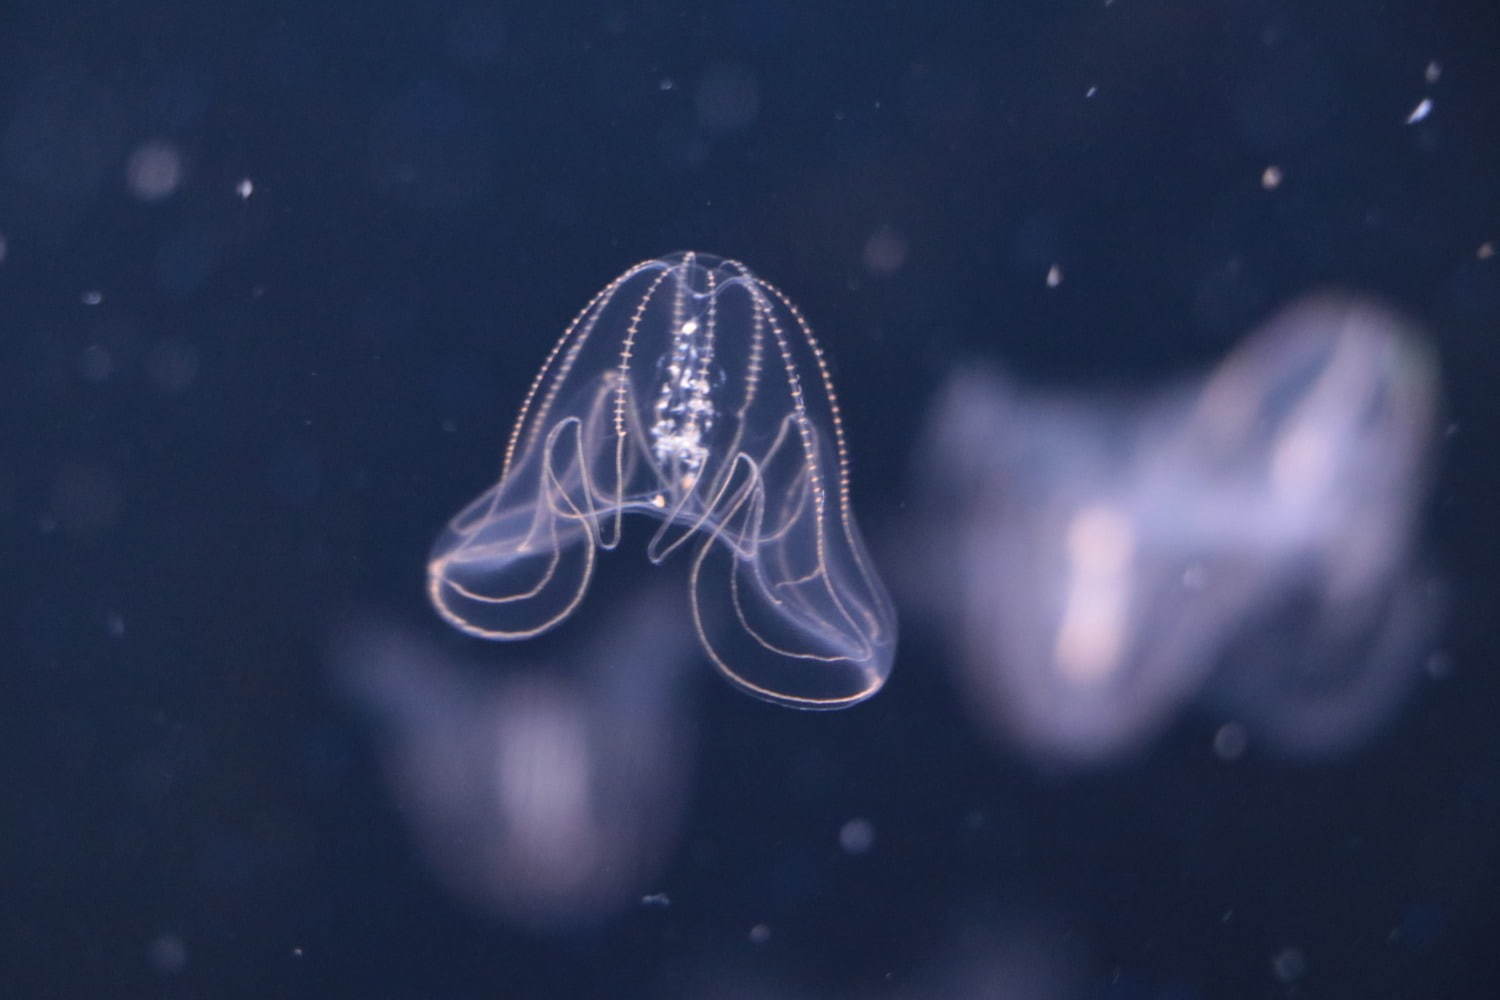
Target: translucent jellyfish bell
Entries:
(693, 392)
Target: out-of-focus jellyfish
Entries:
(1031, 952)
(551, 794)
(1022, 957)
(1104, 560)
(693, 392)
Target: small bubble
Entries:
(114, 624)
(153, 171)
(245, 188)
(1270, 178)
(1054, 276)
(656, 899)
(1092, 92)
(857, 836)
(760, 934)
(1486, 250)
(167, 954)
(1231, 741)
(92, 297)
(1433, 72)
(1289, 965)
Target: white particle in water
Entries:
(857, 836)
(1421, 111)
(1289, 964)
(154, 171)
(167, 954)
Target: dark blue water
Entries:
(274, 279)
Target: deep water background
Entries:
(231, 418)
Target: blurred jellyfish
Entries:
(1029, 952)
(1104, 560)
(1022, 957)
(550, 796)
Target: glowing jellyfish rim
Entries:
(672, 439)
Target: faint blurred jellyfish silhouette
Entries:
(1337, 399)
(1108, 558)
(549, 795)
(691, 391)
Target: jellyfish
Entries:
(551, 792)
(692, 392)
(1245, 540)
